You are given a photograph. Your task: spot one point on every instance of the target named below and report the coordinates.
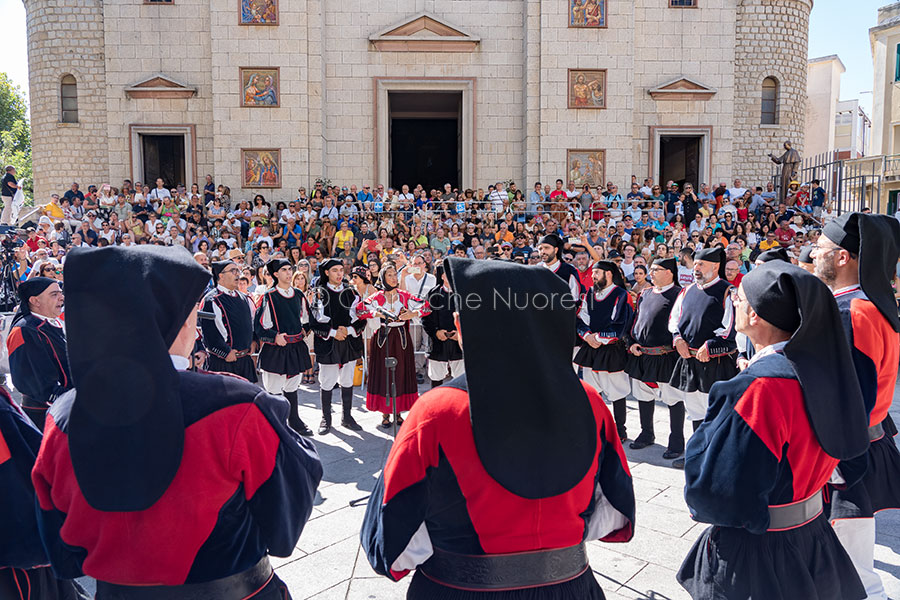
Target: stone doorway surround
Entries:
(704, 132)
(384, 85)
(136, 149)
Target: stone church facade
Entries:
(482, 89)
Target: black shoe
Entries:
(642, 442)
(420, 378)
(399, 420)
(324, 426)
(678, 463)
(351, 424)
(302, 429)
(670, 454)
(385, 422)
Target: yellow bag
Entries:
(358, 374)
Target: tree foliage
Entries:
(15, 131)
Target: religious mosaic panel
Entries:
(587, 13)
(587, 88)
(261, 168)
(260, 86)
(258, 12)
(586, 167)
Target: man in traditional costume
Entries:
(652, 358)
(773, 435)
(228, 336)
(604, 317)
(157, 481)
(282, 322)
(494, 484)
(445, 357)
(856, 256)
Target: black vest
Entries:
(238, 320)
(287, 312)
(701, 312)
(651, 323)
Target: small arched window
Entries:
(68, 99)
(769, 101)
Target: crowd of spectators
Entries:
(366, 225)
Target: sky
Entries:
(836, 27)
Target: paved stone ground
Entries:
(329, 564)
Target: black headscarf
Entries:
(716, 255)
(607, 265)
(276, 264)
(29, 289)
(671, 265)
(126, 428)
(876, 240)
(529, 441)
(381, 276)
(774, 254)
(555, 241)
(796, 301)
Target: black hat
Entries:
(613, 254)
(362, 273)
(325, 265)
(29, 289)
(806, 255)
(529, 441)
(876, 240)
(773, 254)
(608, 265)
(126, 427)
(218, 267)
(670, 264)
(796, 301)
(553, 240)
(277, 263)
(716, 255)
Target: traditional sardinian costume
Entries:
(869, 315)
(563, 270)
(445, 357)
(24, 573)
(283, 311)
(756, 467)
(151, 476)
(703, 316)
(333, 308)
(744, 346)
(231, 329)
(606, 315)
(38, 359)
(652, 370)
(392, 339)
(493, 485)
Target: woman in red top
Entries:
(309, 246)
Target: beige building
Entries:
(393, 91)
(835, 128)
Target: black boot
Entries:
(347, 419)
(619, 410)
(676, 432)
(325, 425)
(647, 436)
(435, 383)
(294, 416)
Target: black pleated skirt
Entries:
(242, 367)
(610, 358)
(879, 488)
(38, 584)
(805, 563)
(691, 375)
(289, 360)
(584, 587)
(651, 369)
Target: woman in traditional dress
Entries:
(395, 308)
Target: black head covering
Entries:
(277, 263)
(806, 255)
(381, 275)
(796, 301)
(608, 265)
(29, 289)
(529, 441)
(362, 273)
(555, 241)
(671, 265)
(218, 267)
(876, 239)
(774, 254)
(328, 263)
(126, 428)
(713, 255)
